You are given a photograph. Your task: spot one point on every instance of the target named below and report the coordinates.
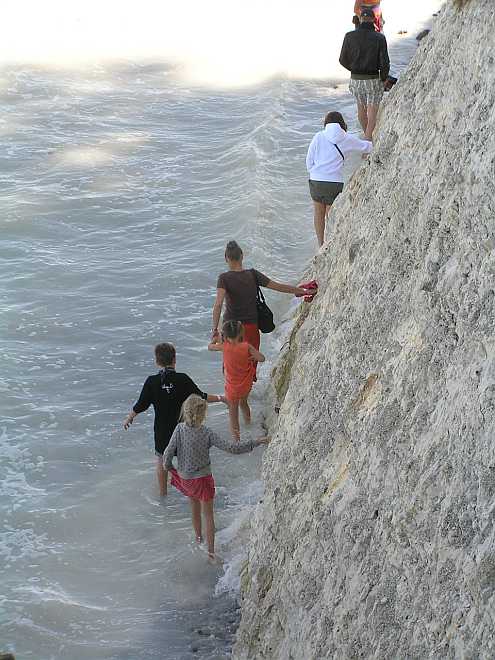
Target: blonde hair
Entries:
(194, 410)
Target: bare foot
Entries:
(214, 560)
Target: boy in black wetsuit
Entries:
(166, 391)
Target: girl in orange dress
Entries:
(239, 368)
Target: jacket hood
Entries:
(334, 133)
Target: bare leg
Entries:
(246, 411)
(162, 476)
(196, 518)
(210, 527)
(319, 218)
(234, 419)
(372, 114)
(363, 116)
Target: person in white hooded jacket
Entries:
(325, 164)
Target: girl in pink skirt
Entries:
(191, 442)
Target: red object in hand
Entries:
(310, 286)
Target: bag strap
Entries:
(259, 292)
(338, 150)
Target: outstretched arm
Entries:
(256, 355)
(353, 143)
(142, 404)
(216, 398)
(214, 346)
(286, 288)
(192, 388)
(234, 446)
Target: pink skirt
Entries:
(202, 488)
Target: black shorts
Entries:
(325, 192)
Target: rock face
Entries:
(376, 535)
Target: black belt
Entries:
(365, 76)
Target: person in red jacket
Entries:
(359, 5)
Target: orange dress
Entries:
(238, 369)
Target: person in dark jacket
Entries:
(166, 391)
(365, 54)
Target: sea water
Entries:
(121, 181)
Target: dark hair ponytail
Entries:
(231, 329)
(233, 251)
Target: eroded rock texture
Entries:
(376, 537)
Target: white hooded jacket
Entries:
(324, 162)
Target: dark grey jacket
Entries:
(365, 52)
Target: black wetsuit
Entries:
(166, 391)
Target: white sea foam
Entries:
(233, 541)
(39, 594)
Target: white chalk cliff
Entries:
(375, 537)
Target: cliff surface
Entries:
(376, 535)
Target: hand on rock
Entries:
(310, 290)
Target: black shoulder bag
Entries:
(265, 314)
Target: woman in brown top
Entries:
(238, 288)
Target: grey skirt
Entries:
(325, 192)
